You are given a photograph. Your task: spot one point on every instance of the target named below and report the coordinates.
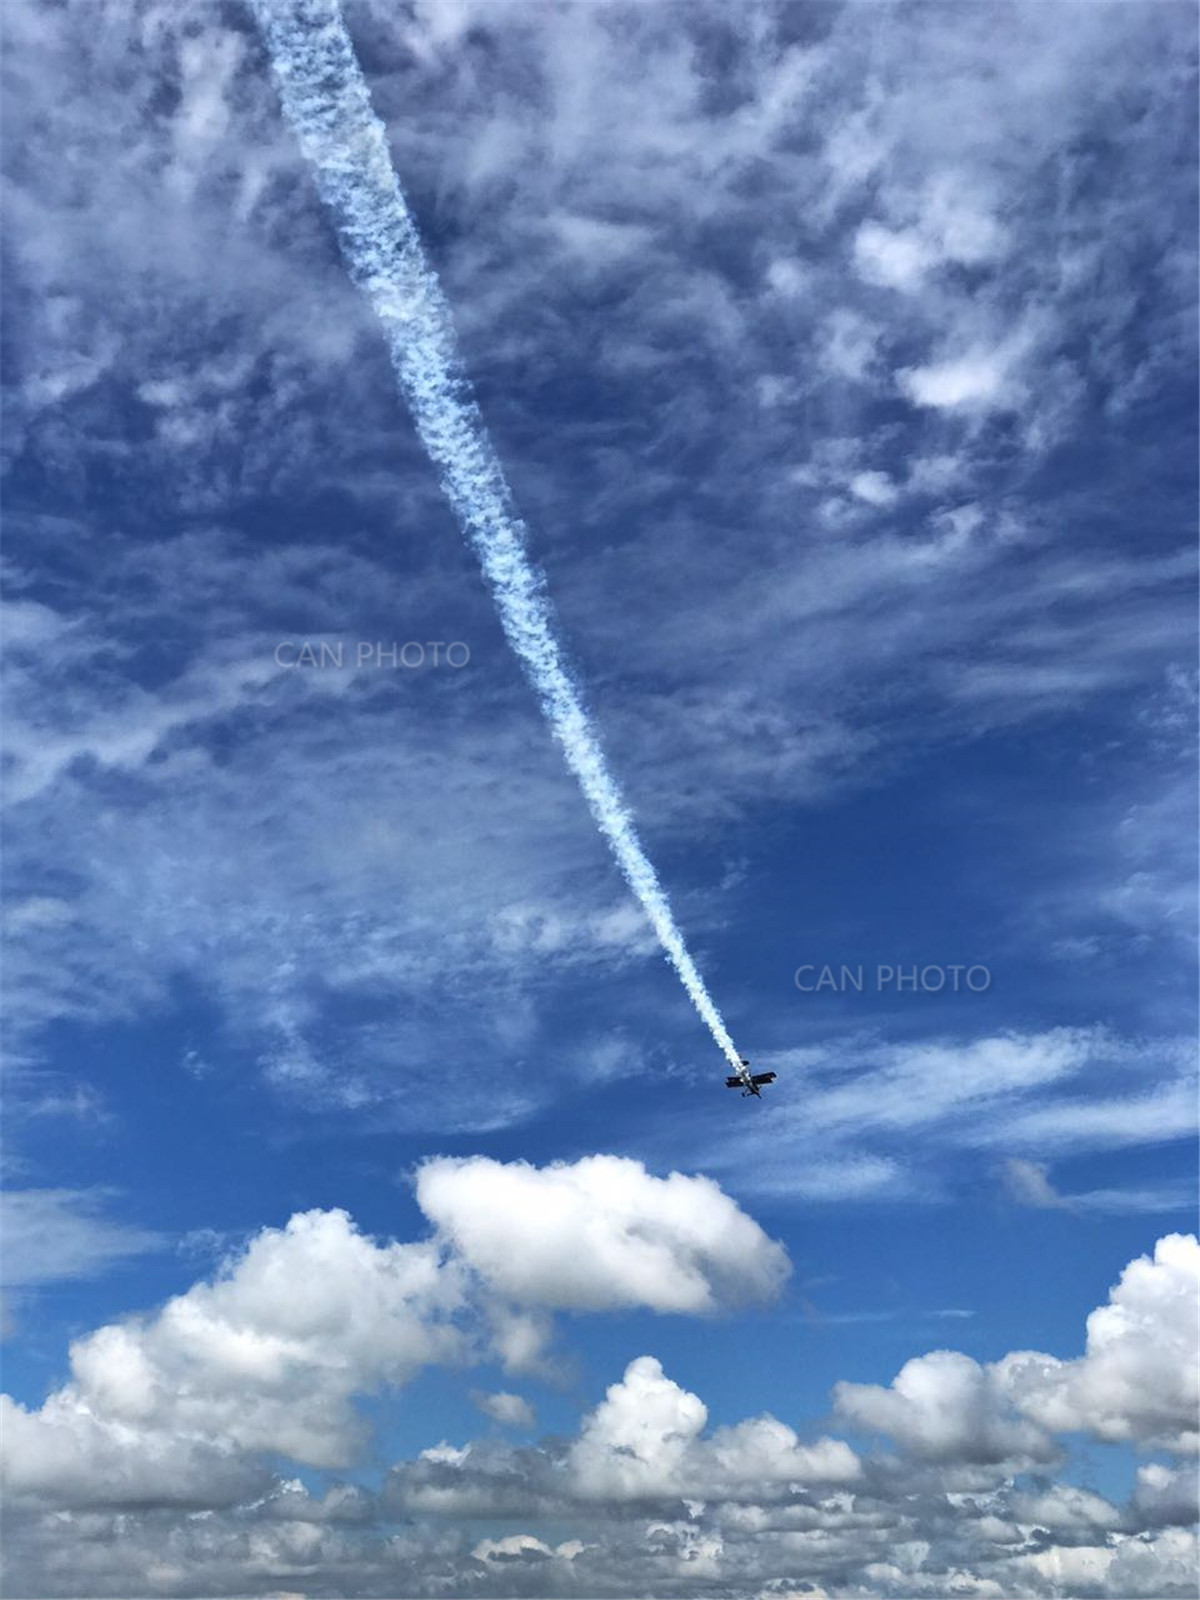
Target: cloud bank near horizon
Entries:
(186, 1409)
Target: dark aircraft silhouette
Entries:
(749, 1082)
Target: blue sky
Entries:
(841, 361)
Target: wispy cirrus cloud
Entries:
(857, 1118)
(860, 589)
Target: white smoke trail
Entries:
(326, 101)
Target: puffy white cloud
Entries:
(978, 380)
(1152, 1566)
(644, 1441)
(643, 1497)
(756, 1504)
(946, 1407)
(1165, 1495)
(876, 488)
(599, 1234)
(267, 1358)
(644, 1445)
(766, 1452)
(1065, 1508)
(512, 1410)
(633, 1446)
(66, 1454)
(1138, 1378)
(523, 1549)
(520, 1337)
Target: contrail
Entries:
(326, 101)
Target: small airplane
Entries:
(749, 1082)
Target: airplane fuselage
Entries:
(749, 1082)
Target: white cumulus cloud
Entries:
(266, 1358)
(645, 1440)
(1138, 1378)
(1136, 1382)
(946, 1407)
(511, 1410)
(600, 1234)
